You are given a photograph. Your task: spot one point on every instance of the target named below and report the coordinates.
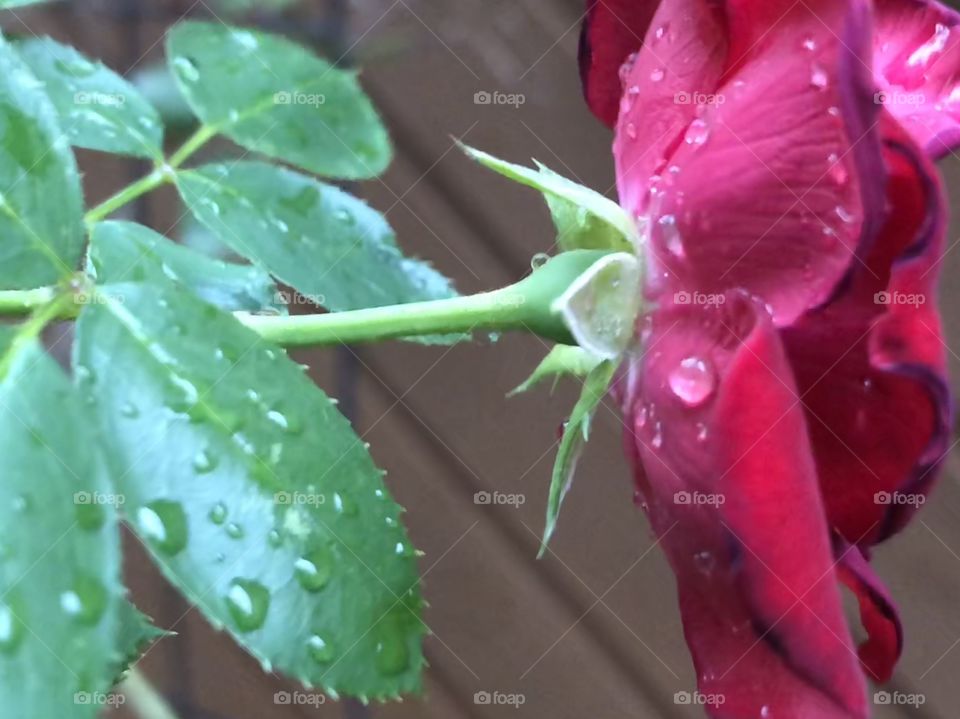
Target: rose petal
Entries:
(728, 478)
(678, 67)
(878, 612)
(871, 366)
(917, 65)
(611, 31)
(777, 185)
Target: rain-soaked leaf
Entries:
(332, 247)
(41, 205)
(19, 3)
(256, 497)
(128, 252)
(61, 602)
(584, 218)
(98, 109)
(576, 432)
(273, 96)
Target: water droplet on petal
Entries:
(810, 44)
(631, 130)
(248, 603)
(670, 236)
(693, 381)
(705, 563)
(698, 133)
(234, 531)
(657, 75)
(819, 78)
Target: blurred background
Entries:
(592, 630)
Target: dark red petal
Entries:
(775, 184)
(871, 366)
(917, 64)
(728, 478)
(612, 29)
(878, 612)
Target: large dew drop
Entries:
(693, 381)
(320, 649)
(85, 601)
(164, 525)
(248, 603)
(11, 630)
(314, 569)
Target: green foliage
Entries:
(128, 252)
(254, 494)
(41, 203)
(272, 96)
(98, 109)
(19, 3)
(329, 245)
(256, 497)
(61, 602)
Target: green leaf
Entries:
(584, 218)
(600, 307)
(155, 83)
(576, 432)
(60, 592)
(136, 634)
(332, 247)
(256, 497)
(273, 96)
(98, 109)
(562, 361)
(4, 4)
(128, 252)
(41, 217)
